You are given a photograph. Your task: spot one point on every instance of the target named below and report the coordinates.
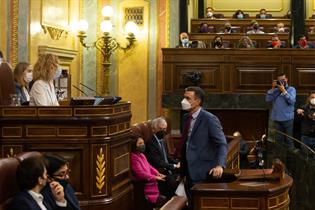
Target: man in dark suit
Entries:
(32, 178)
(204, 148)
(158, 156)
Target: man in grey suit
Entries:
(204, 148)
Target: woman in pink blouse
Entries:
(143, 171)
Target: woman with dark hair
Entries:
(143, 171)
(217, 42)
(23, 75)
(239, 14)
(58, 170)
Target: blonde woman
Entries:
(245, 42)
(45, 71)
(23, 75)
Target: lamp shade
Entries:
(107, 11)
(106, 26)
(83, 25)
(131, 27)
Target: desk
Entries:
(260, 39)
(94, 139)
(247, 195)
(218, 24)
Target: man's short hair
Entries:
(199, 93)
(157, 121)
(28, 172)
(281, 74)
(1, 55)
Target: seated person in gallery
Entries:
(275, 42)
(185, 43)
(239, 14)
(32, 178)
(255, 28)
(58, 170)
(204, 28)
(279, 28)
(287, 15)
(45, 71)
(217, 42)
(6, 82)
(263, 14)
(228, 28)
(158, 156)
(245, 42)
(306, 114)
(209, 13)
(143, 171)
(303, 43)
(23, 76)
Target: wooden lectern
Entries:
(263, 189)
(94, 139)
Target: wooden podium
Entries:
(253, 189)
(95, 140)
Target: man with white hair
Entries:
(158, 156)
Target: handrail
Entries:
(297, 140)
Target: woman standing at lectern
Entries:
(45, 71)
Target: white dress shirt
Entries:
(38, 198)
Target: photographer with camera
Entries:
(307, 119)
(282, 97)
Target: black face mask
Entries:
(256, 27)
(62, 182)
(228, 28)
(141, 148)
(160, 134)
(218, 43)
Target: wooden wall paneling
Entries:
(253, 79)
(78, 160)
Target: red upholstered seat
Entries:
(8, 183)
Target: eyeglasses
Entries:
(62, 174)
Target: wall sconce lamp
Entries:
(107, 44)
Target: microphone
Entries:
(90, 89)
(79, 90)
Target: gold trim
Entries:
(167, 41)
(247, 9)
(54, 32)
(100, 171)
(14, 32)
(11, 153)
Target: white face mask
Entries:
(240, 16)
(312, 101)
(185, 104)
(209, 14)
(28, 77)
(281, 29)
(58, 72)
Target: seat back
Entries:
(8, 183)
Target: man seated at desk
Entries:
(185, 43)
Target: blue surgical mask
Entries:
(185, 41)
(240, 16)
(58, 72)
(263, 16)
